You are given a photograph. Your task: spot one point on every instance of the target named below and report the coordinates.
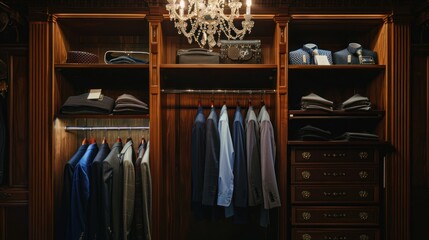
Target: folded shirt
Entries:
(357, 136)
(314, 101)
(80, 104)
(356, 102)
(128, 104)
(310, 132)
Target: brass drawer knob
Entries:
(306, 236)
(363, 216)
(363, 155)
(306, 194)
(306, 215)
(363, 194)
(306, 174)
(363, 174)
(306, 155)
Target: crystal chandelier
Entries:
(202, 20)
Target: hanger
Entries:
(84, 141)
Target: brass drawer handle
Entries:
(334, 238)
(306, 236)
(363, 174)
(335, 215)
(335, 194)
(306, 174)
(363, 155)
(5, 195)
(334, 155)
(363, 216)
(363, 194)
(306, 155)
(334, 174)
(306, 215)
(306, 194)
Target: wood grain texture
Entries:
(40, 129)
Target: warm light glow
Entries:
(205, 20)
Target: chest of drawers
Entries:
(335, 192)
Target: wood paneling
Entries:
(398, 164)
(41, 218)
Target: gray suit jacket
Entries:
(147, 193)
(268, 157)
(112, 192)
(128, 156)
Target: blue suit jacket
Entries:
(80, 192)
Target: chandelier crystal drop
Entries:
(204, 21)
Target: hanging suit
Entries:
(112, 193)
(138, 203)
(96, 212)
(147, 194)
(268, 157)
(65, 227)
(129, 158)
(211, 163)
(240, 194)
(226, 164)
(80, 193)
(197, 158)
(253, 159)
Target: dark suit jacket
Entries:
(96, 212)
(112, 193)
(340, 57)
(240, 194)
(211, 169)
(80, 193)
(64, 230)
(198, 152)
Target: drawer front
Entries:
(337, 215)
(335, 174)
(335, 234)
(334, 155)
(335, 194)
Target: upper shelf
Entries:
(336, 114)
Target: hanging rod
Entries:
(69, 128)
(219, 91)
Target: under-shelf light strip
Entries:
(219, 91)
(71, 128)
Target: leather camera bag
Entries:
(240, 51)
(197, 56)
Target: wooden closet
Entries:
(162, 83)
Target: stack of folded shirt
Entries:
(80, 104)
(315, 102)
(309, 132)
(128, 104)
(357, 136)
(356, 102)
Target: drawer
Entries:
(335, 174)
(335, 194)
(335, 234)
(343, 155)
(335, 216)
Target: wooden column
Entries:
(158, 200)
(398, 131)
(282, 121)
(40, 132)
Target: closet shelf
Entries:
(354, 67)
(218, 66)
(336, 114)
(101, 116)
(100, 66)
(335, 143)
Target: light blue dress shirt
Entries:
(226, 161)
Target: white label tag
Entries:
(304, 59)
(321, 60)
(94, 94)
(349, 59)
